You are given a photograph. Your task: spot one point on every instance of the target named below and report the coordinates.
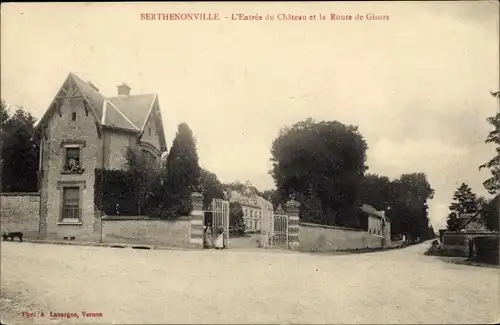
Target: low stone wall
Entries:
(143, 231)
(321, 238)
(396, 243)
(456, 243)
(20, 212)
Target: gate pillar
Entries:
(292, 210)
(196, 235)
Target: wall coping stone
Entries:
(307, 224)
(19, 193)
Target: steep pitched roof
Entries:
(371, 210)
(135, 107)
(468, 218)
(125, 112)
(95, 96)
(114, 117)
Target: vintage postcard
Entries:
(250, 163)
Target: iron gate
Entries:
(278, 230)
(219, 212)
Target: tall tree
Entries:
(490, 212)
(183, 170)
(409, 211)
(464, 200)
(274, 197)
(241, 187)
(19, 152)
(452, 222)
(236, 220)
(325, 160)
(143, 173)
(492, 184)
(210, 187)
(378, 191)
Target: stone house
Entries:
(251, 206)
(267, 215)
(83, 130)
(378, 223)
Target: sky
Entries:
(417, 85)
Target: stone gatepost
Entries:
(196, 236)
(292, 210)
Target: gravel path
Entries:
(240, 286)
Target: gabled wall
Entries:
(61, 128)
(116, 143)
(152, 125)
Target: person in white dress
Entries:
(219, 240)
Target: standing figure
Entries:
(219, 240)
(207, 237)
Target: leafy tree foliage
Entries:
(274, 197)
(241, 187)
(210, 187)
(378, 191)
(404, 200)
(493, 183)
(19, 154)
(464, 200)
(324, 160)
(131, 188)
(165, 192)
(236, 221)
(116, 187)
(143, 173)
(452, 222)
(491, 211)
(182, 169)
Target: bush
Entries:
(112, 187)
(165, 213)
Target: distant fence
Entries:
(20, 212)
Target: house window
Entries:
(149, 157)
(73, 156)
(149, 131)
(71, 204)
(73, 116)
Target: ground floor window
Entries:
(71, 204)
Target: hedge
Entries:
(114, 187)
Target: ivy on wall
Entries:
(116, 187)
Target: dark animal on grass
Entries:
(12, 235)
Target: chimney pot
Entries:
(124, 89)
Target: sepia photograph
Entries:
(250, 162)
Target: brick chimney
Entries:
(124, 89)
